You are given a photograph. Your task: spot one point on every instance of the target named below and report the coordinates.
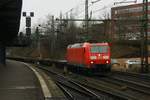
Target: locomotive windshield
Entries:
(99, 49)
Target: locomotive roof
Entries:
(78, 45)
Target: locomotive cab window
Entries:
(99, 49)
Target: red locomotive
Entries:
(91, 56)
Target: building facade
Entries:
(126, 21)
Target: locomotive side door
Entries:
(86, 56)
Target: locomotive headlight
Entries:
(92, 57)
(92, 62)
(107, 62)
(105, 57)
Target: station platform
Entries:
(19, 82)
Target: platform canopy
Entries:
(10, 13)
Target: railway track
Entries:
(99, 87)
(120, 89)
(133, 81)
(66, 92)
(144, 78)
(118, 86)
(72, 89)
(141, 81)
(126, 84)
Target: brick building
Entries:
(126, 23)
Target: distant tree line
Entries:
(57, 35)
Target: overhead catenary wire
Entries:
(125, 1)
(92, 3)
(79, 6)
(79, 10)
(69, 11)
(98, 10)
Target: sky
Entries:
(42, 8)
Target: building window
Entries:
(136, 9)
(116, 12)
